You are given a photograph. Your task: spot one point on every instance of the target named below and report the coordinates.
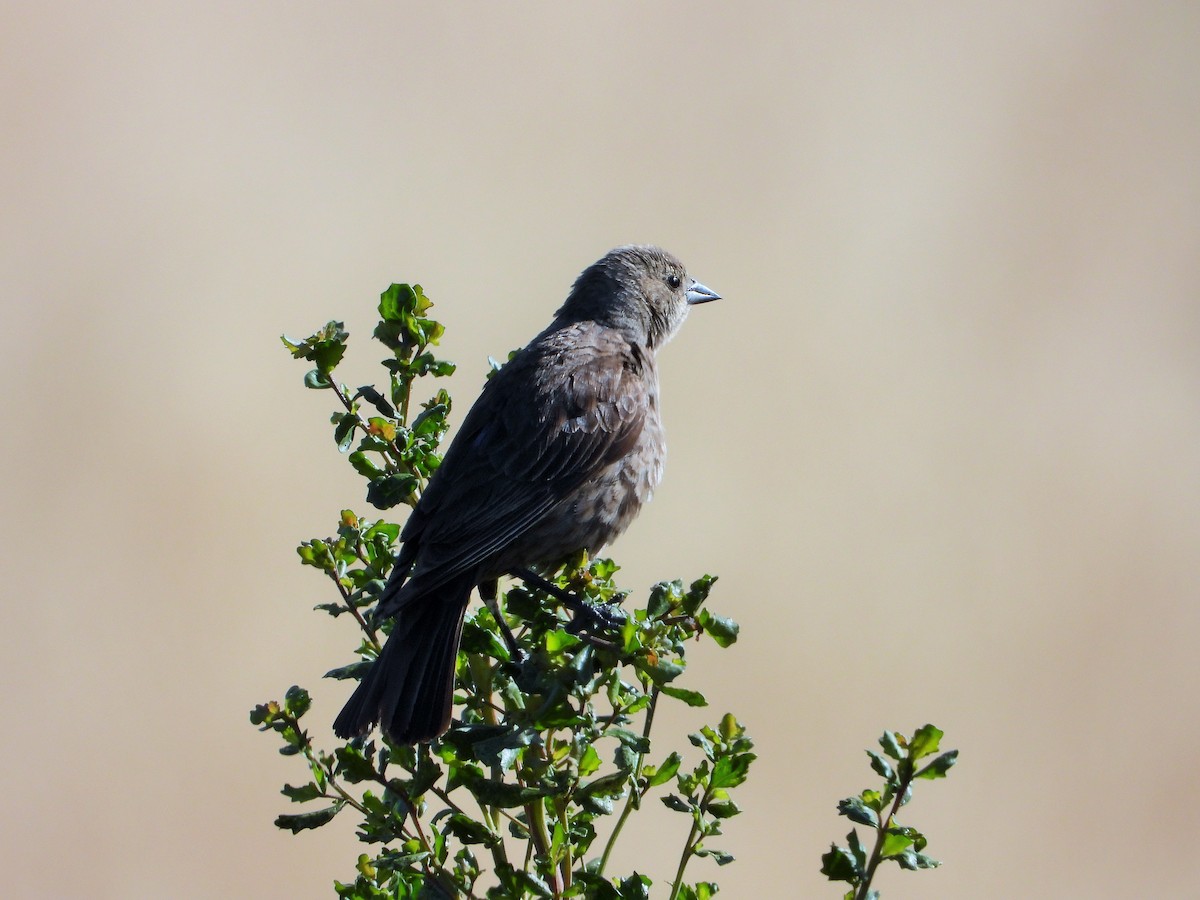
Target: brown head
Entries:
(642, 291)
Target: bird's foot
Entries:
(589, 619)
(593, 619)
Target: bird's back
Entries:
(558, 454)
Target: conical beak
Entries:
(698, 293)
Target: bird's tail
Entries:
(410, 687)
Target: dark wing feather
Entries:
(567, 406)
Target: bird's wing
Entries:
(558, 413)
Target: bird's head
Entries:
(643, 291)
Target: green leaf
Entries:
(898, 839)
(470, 831)
(353, 765)
(589, 762)
(503, 794)
(343, 432)
(691, 698)
(697, 593)
(666, 771)
(723, 809)
(363, 465)
(664, 596)
(662, 670)
(731, 729)
(730, 771)
(391, 490)
(376, 399)
(911, 860)
(677, 803)
(855, 810)
(353, 671)
(924, 741)
(698, 739)
(325, 348)
(386, 530)
(302, 794)
(396, 302)
(303, 821)
(314, 380)
(839, 865)
(430, 421)
(631, 739)
(722, 630)
(559, 640)
(892, 744)
(881, 765)
(856, 848)
(612, 785)
(940, 766)
(296, 701)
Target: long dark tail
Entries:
(410, 687)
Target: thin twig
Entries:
(881, 835)
(633, 801)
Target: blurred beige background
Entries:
(941, 440)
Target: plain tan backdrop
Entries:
(941, 439)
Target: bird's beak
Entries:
(698, 293)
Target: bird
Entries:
(558, 454)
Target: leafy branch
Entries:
(546, 745)
(893, 841)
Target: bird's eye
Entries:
(674, 281)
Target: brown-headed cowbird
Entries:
(557, 455)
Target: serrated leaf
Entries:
(376, 399)
(666, 771)
(391, 490)
(303, 821)
(881, 765)
(297, 701)
(730, 771)
(303, 793)
(939, 766)
(664, 596)
(855, 810)
(857, 849)
(590, 761)
(503, 794)
(396, 302)
(559, 640)
(896, 840)
(892, 744)
(631, 739)
(364, 465)
(839, 865)
(723, 809)
(924, 741)
(469, 831)
(677, 803)
(430, 420)
(353, 765)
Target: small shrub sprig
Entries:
(876, 809)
